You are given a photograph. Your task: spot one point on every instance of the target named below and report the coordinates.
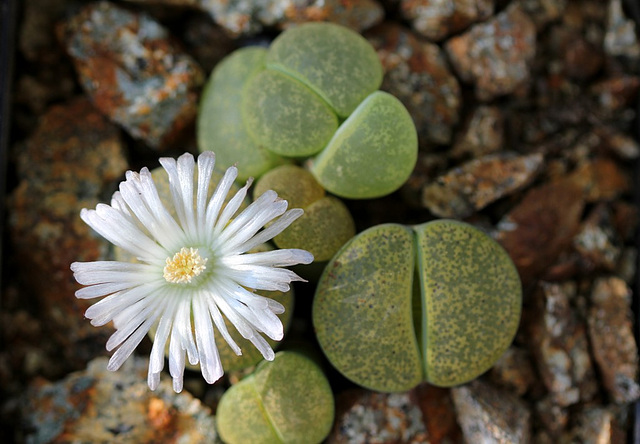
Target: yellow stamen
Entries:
(184, 266)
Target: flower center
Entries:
(184, 266)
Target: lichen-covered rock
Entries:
(482, 133)
(479, 182)
(133, 72)
(487, 414)
(611, 333)
(495, 56)
(416, 73)
(560, 345)
(96, 405)
(537, 230)
(436, 19)
(368, 417)
(67, 164)
(247, 17)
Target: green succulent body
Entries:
(326, 223)
(312, 93)
(438, 302)
(288, 400)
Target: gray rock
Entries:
(496, 55)
(96, 405)
(133, 72)
(489, 415)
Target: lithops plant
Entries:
(326, 223)
(288, 400)
(439, 302)
(311, 95)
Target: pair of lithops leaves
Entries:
(438, 302)
(313, 94)
(288, 400)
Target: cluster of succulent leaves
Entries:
(395, 305)
(313, 94)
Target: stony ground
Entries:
(527, 115)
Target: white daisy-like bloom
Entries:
(193, 268)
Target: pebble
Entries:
(597, 242)
(543, 12)
(514, 371)
(249, 17)
(477, 183)
(621, 34)
(438, 412)
(134, 74)
(595, 425)
(560, 345)
(541, 227)
(68, 163)
(612, 340)
(601, 179)
(96, 405)
(436, 19)
(487, 414)
(481, 134)
(495, 56)
(417, 73)
(375, 418)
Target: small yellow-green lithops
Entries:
(288, 400)
(438, 302)
(326, 223)
(313, 94)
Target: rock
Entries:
(601, 179)
(597, 242)
(436, 20)
(489, 415)
(199, 34)
(611, 333)
(96, 405)
(477, 183)
(541, 226)
(553, 417)
(368, 417)
(133, 72)
(495, 56)
(416, 73)
(595, 425)
(621, 38)
(68, 163)
(560, 345)
(438, 413)
(481, 134)
(514, 371)
(251, 17)
(616, 92)
(543, 12)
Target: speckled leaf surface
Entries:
(326, 223)
(362, 310)
(372, 153)
(288, 400)
(337, 63)
(471, 301)
(285, 116)
(220, 125)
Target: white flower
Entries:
(195, 267)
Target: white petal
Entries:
(221, 326)
(99, 290)
(208, 352)
(206, 163)
(106, 309)
(183, 324)
(270, 232)
(249, 222)
(274, 258)
(130, 345)
(262, 278)
(156, 358)
(230, 209)
(219, 195)
(176, 360)
(136, 315)
(263, 347)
